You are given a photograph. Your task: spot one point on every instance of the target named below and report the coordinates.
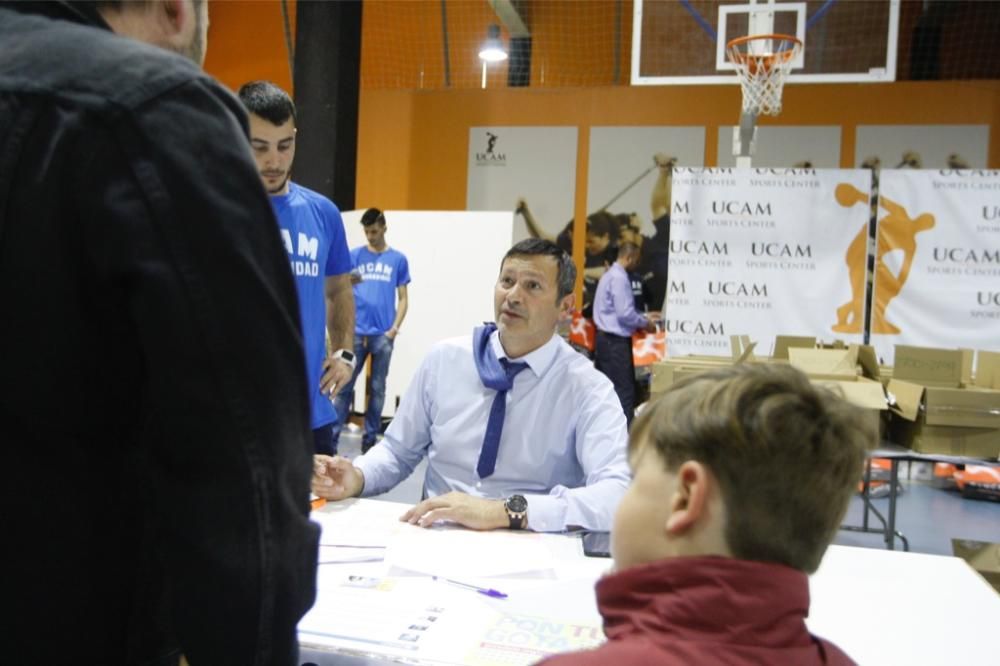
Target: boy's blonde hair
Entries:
(787, 455)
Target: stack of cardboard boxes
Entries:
(930, 401)
(941, 406)
(851, 371)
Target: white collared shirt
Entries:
(563, 444)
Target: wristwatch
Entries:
(346, 356)
(517, 511)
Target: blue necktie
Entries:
(494, 426)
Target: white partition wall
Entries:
(454, 258)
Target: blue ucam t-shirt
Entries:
(375, 296)
(313, 233)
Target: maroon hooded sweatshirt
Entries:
(706, 610)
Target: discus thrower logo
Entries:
(491, 157)
(896, 231)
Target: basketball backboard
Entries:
(683, 43)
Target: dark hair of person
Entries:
(371, 216)
(602, 223)
(627, 249)
(566, 275)
(264, 99)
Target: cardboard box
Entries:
(834, 364)
(866, 393)
(951, 421)
(783, 343)
(950, 368)
(982, 556)
(987, 369)
(671, 370)
(836, 369)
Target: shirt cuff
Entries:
(378, 459)
(546, 513)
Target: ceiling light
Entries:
(493, 50)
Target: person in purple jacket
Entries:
(616, 318)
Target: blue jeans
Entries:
(380, 348)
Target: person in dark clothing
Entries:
(711, 561)
(160, 507)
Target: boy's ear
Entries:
(689, 504)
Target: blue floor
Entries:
(929, 517)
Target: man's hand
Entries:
(654, 319)
(336, 374)
(473, 512)
(336, 478)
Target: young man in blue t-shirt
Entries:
(380, 275)
(313, 234)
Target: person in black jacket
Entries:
(154, 419)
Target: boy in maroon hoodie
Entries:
(741, 477)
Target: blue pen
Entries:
(488, 591)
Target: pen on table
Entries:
(488, 591)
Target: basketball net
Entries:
(762, 63)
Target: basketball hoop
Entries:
(762, 63)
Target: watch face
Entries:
(347, 356)
(517, 504)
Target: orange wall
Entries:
(412, 145)
(246, 41)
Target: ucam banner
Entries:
(937, 261)
(766, 252)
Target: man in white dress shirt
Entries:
(544, 449)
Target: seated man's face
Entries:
(597, 243)
(525, 302)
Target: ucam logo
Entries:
(698, 247)
(703, 171)
(963, 255)
(723, 288)
(966, 173)
(785, 172)
(308, 246)
(988, 298)
(741, 208)
(691, 327)
(780, 250)
(491, 157)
